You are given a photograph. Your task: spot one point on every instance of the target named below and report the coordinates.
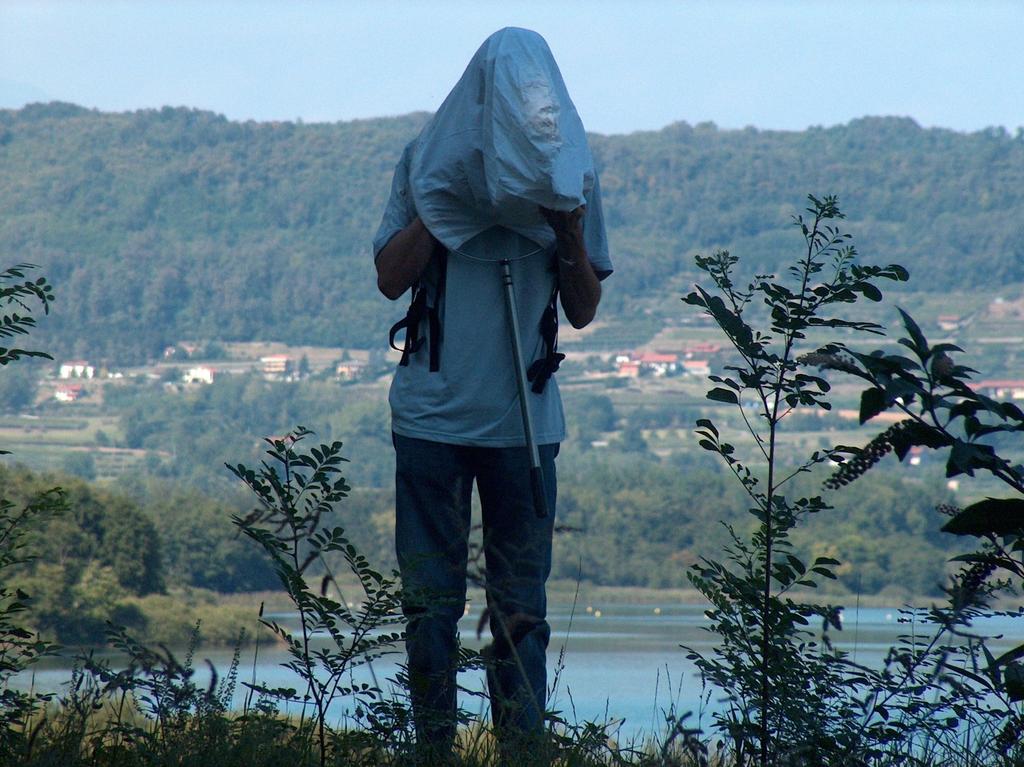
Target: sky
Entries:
(629, 64)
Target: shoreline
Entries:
(565, 591)
(245, 608)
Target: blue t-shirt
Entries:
(473, 399)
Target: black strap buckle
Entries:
(410, 323)
(541, 370)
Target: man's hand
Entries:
(579, 287)
(565, 223)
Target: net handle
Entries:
(539, 249)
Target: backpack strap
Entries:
(418, 309)
(433, 318)
(410, 323)
(542, 369)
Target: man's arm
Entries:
(401, 262)
(577, 282)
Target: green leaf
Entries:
(993, 516)
(1008, 657)
(964, 408)
(1012, 411)
(719, 394)
(965, 457)
(783, 573)
(872, 402)
(993, 667)
(704, 423)
(1013, 681)
(870, 292)
(695, 300)
(796, 564)
(919, 344)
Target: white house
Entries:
(76, 369)
(697, 367)
(68, 393)
(349, 369)
(200, 374)
(658, 363)
(276, 364)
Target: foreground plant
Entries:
(780, 682)
(944, 412)
(20, 648)
(295, 491)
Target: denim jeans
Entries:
(433, 491)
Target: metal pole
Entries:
(540, 503)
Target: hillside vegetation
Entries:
(179, 224)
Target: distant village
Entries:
(188, 364)
(73, 376)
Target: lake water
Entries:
(622, 663)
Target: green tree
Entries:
(631, 440)
(202, 547)
(594, 413)
(18, 389)
(99, 528)
(80, 464)
(131, 548)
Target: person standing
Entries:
(502, 172)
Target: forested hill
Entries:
(157, 226)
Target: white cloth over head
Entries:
(506, 140)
